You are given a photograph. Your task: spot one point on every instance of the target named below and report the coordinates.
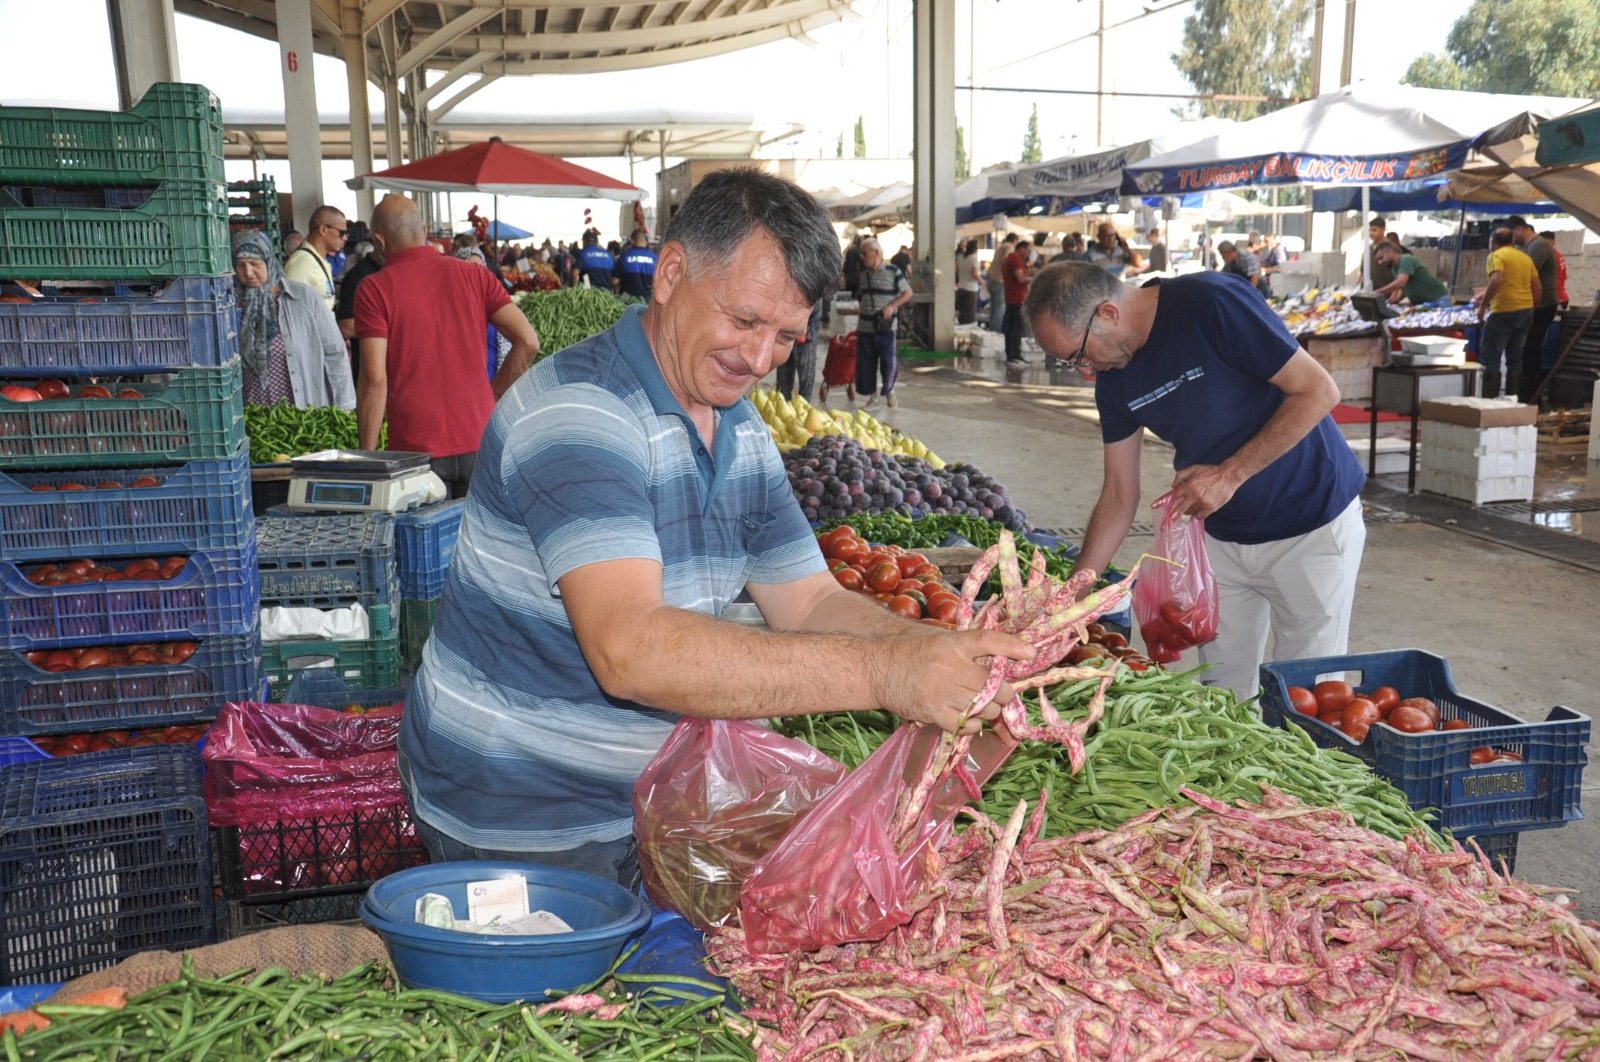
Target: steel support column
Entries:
(301, 125)
(934, 165)
(355, 69)
(144, 46)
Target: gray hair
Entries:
(1226, 247)
(871, 244)
(728, 206)
(1068, 293)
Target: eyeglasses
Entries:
(1078, 358)
(330, 228)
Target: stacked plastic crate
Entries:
(425, 542)
(254, 205)
(129, 593)
(329, 564)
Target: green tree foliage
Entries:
(1246, 48)
(1528, 47)
(962, 165)
(1032, 146)
(861, 138)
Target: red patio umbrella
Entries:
(497, 168)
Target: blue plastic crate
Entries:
(218, 592)
(19, 750)
(190, 323)
(198, 506)
(425, 542)
(34, 700)
(1434, 769)
(102, 856)
(328, 562)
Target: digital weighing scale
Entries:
(362, 481)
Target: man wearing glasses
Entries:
(309, 263)
(1204, 363)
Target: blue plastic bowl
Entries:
(500, 969)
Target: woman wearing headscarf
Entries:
(289, 343)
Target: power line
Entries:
(1150, 9)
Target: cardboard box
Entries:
(1479, 412)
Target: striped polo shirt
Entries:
(510, 743)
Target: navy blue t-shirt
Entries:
(636, 273)
(1201, 383)
(596, 263)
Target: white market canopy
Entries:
(1096, 173)
(901, 207)
(1360, 134)
(1575, 187)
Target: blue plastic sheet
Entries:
(21, 997)
(671, 947)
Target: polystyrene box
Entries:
(1476, 491)
(1481, 464)
(1523, 438)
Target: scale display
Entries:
(357, 494)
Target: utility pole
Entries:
(1349, 42)
(1100, 75)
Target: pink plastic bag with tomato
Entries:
(839, 874)
(713, 801)
(1175, 597)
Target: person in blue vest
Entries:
(596, 263)
(636, 273)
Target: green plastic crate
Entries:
(371, 663)
(181, 231)
(416, 620)
(198, 415)
(173, 133)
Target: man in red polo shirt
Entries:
(422, 321)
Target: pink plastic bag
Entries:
(1176, 603)
(712, 802)
(838, 875)
(270, 762)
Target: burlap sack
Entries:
(326, 949)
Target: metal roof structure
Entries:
(501, 38)
(259, 133)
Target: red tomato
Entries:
(1409, 720)
(1428, 708)
(913, 589)
(96, 391)
(850, 579)
(1360, 710)
(1456, 724)
(1482, 754)
(1113, 640)
(145, 481)
(852, 551)
(910, 563)
(906, 606)
(1356, 730)
(926, 570)
(1302, 701)
(885, 575)
(18, 393)
(946, 610)
(1180, 620)
(1385, 697)
(1332, 695)
(51, 389)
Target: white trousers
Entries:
(1298, 590)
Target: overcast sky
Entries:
(858, 67)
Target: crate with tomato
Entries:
(102, 855)
(904, 581)
(187, 323)
(117, 601)
(49, 424)
(1484, 770)
(165, 509)
(140, 684)
(306, 802)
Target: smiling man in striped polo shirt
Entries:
(626, 491)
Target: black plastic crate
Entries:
(298, 857)
(102, 856)
(241, 916)
(191, 322)
(1500, 848)
(1434, 769)
(327, 561)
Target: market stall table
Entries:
(1401, 389)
